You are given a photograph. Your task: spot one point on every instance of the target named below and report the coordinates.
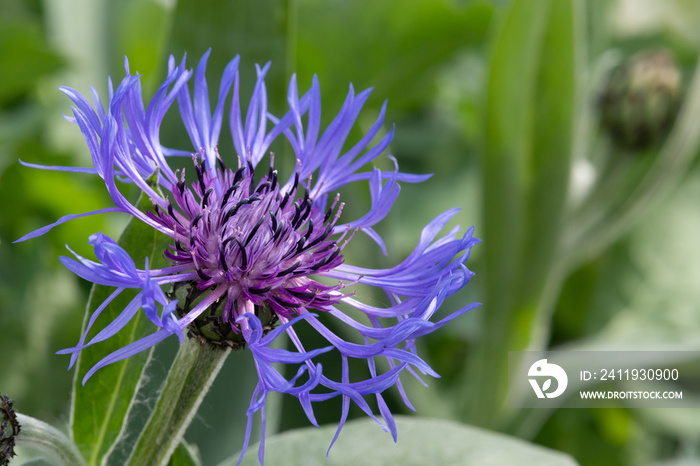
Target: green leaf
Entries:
(509, 123)
(420, 442)
(44, 437)
(530, 117)
(185, 455)
(100, 407)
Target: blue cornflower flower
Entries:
(253, 250)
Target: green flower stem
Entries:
(47, 439)
(192, 373)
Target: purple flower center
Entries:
(261, 242)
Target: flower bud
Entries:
(9, 428)
(641, 98)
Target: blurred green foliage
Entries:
(587, 244)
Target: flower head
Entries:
(254, 255)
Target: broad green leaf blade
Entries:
(421, 442)
(508, 151)
(530, 112)
(99, 408)
(549, 168)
